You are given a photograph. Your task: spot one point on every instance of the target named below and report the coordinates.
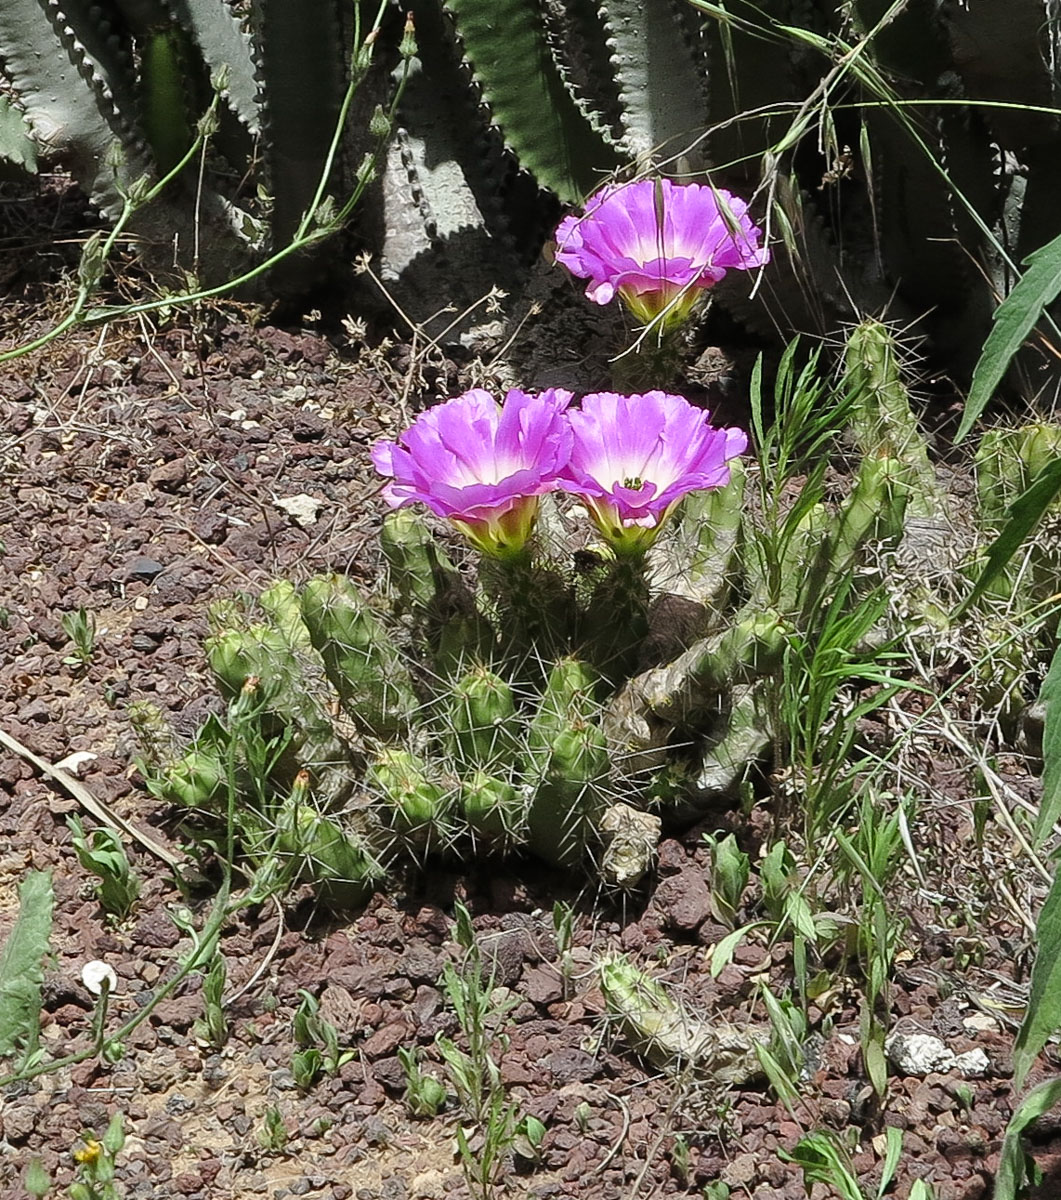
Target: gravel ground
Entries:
(146, 477)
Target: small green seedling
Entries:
(527, 1139)
(36, 1180)
(103, 853)
(730, 869)
(679, 1160)
(212, 1027)
(424, 1094)
(80, 627)
(273, 1135)
(318, 1042)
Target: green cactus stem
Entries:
(568, 696)
(341, 866)
(874, 512)
(415, 806)
(262, 657)
(198, 779)
(360, 658)
(280, 603)
(416, 564)
(701, 558)
(482, 719)
(505, 43)
(614, 623)
(689, 690)
(563, 819)
(530, 602)
(882, 421)
(492, 807)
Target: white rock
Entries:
(978, 1022)
(918, 1053)
(973, 1064)
(303, 508)
(75, 761)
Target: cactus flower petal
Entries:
(634, 457)
(658, 244)
(481, 465)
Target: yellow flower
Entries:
(89, 1154)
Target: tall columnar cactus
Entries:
(900, 207)
(115, 92)
(516, 106)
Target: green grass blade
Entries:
(1013, 321)
(1050, 808)
(1012, 1166)
(21, 964)
(1043, 1015)
(1024, 514)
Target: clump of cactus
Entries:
(367, 729)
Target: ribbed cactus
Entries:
(355, 727)
(116, 92)
(359, 656)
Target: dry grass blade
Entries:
(90, 803)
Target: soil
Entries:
(147, 471)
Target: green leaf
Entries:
(36, 1180)
(1050, 807)
(1024, 514)
(1043, 1014)
(1013, 321)
(892, 1154)
(21, 963)
(1015, 1165)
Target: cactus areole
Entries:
(658, 244)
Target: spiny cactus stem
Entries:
(533, 604)
(654, 361)
(616, 619)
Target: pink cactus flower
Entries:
(634, 457)
(481, 465)
(658, 244)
